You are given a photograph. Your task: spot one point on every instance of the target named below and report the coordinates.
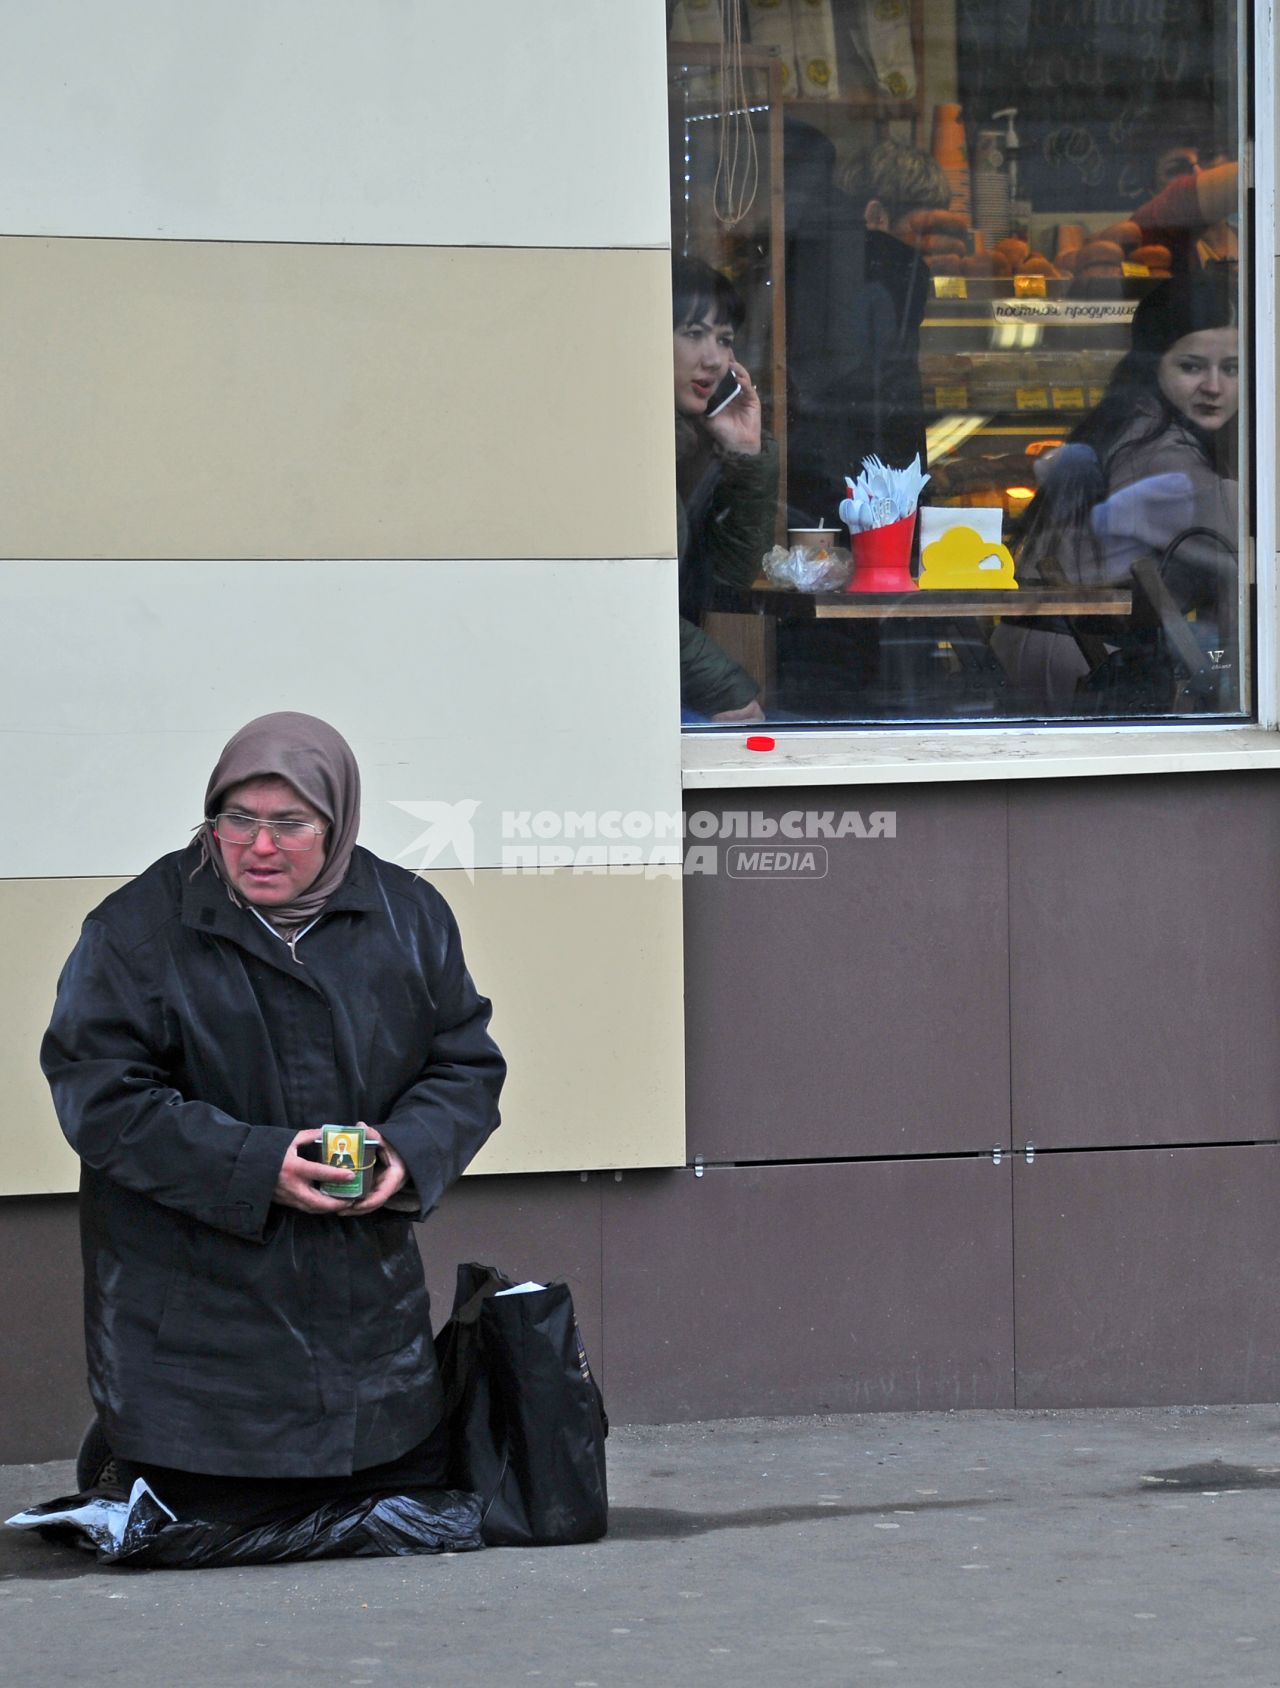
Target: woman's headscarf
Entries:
(317, 762)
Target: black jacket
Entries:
(225, 1333)
(723, 531)
(861, 393)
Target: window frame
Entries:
(859, 754)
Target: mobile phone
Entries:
(726, 391)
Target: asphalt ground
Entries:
(971, 1550)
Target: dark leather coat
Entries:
(225, 1333)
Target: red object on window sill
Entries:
(760, 741)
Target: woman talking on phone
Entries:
(1150, 473)
(727, 482)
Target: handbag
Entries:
(525, 1417)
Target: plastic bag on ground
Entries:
(142, 1532)
(526, 1419)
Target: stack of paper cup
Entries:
(951, 152)
(990, 187)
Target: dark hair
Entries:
(902, 178)
(1185, 304)
(698, 291)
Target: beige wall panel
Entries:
(163, 399)
(39, 923)
(449, 122)
(585, 975)
(585, 971)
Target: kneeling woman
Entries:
(1150, 473)
(253, 1343)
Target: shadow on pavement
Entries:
(27, 1557)
(658, 1523)
(1215, 1475)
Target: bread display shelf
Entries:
(1016, 380)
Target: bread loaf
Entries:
(1099, 252)
(1126, 235)
(949, 223)
(1038, 265)
(1016, 251)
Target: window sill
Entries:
(911, 755)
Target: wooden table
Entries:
(969, 618)
(935, 605)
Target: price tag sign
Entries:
(1134, 269)
(949, 287)
(1068, 398)
(951, 398)
(1029, 287)
(1095, 396)
(1032, 398)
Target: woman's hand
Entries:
(738, 426)
(390, 1176)
(295, 1184)
(748, 712)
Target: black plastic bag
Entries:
(526, 1420)
(142, 1532)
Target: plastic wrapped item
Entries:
(808, 569)
(143, 1533)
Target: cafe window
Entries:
(997, 244)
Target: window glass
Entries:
(999, 237)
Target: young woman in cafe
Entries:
(727, 482)
(1150, 473)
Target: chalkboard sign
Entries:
(1101, 87)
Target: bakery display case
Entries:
(1049, 164)
(1006, 374)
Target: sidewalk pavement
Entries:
(971, 1550)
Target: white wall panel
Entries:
(518, 685)
(438, 122)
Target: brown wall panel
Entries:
(865, 1013)
(46, 1400)
(878, 1287)
(1148, 1277)
(1145, 960)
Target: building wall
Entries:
(309, 312)
(302, 408)
(1091, 968)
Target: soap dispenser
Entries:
(1019, 209)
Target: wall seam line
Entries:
(1013, 1235)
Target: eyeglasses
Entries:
(285, 835)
